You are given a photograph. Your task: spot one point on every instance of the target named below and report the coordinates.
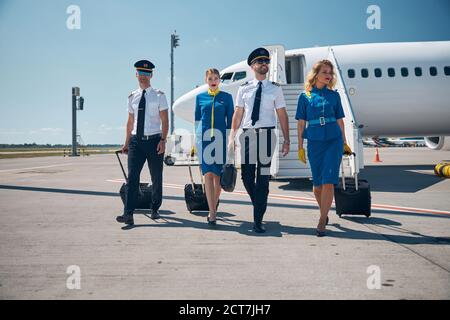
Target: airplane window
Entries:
(239, 75)
(351, 73)
(404, 72)
(418, 71)
(433, 71)
(364, 73)
(391, 72)
(378, 72)
(447, 70)
(226, 77)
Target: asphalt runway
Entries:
(60, 212)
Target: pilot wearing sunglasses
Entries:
(258, 104)
(146, 133)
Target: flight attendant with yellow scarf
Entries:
(213, 115)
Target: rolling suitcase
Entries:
(352, 195)
(194, 194)
(144, 198)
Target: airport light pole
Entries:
(75, 98)
(174, 38)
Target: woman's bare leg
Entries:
(326, 201)
(210, 195)
(217, 190)
(318, 194)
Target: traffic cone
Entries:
(377, 156)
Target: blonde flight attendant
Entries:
(213, 115)
(320, 108)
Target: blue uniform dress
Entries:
(210, 126)
(320, 109)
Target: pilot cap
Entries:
(144, 65)
(256, 54)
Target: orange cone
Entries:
(377, 156)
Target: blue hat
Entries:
(256, 54)
(144, 65)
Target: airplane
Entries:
(393, 142)
(397, 89)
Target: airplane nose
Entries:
(177, 104)
(184, 106)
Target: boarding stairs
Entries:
(290, 167)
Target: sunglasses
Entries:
(261, 61)
(143, 73)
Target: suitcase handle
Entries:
(192, 179)
(120, 162)
(355, 174)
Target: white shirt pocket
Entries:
(268, 98)
(248, 97)
(135, 105)
(153, 106)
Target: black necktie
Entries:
(141, 116)
(256, 104)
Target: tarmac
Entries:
(60, 212)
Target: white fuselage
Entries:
(401, 105)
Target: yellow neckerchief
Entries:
(213, 94)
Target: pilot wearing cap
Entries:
(258, 104)
(146, 133)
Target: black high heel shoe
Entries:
(211, 222)
(320, 233)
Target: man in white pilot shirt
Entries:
(146, 133)
(257, 101)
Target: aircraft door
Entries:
(277, 71)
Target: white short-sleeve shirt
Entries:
(271, 99)
(155, 101)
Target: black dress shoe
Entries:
(259, 228)
(155, 215)
(125, 218)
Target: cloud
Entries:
(212, 41)
(104, 129)
(52, 131)
(11, 132)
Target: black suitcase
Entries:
(352, 195)
(194, 194)
(144, 198)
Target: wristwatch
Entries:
(286, 142)
(163, 139)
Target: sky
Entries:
(41, 59)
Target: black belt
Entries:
(152, 136)
(258, 129)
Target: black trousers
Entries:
(257, 147)
(138, 152)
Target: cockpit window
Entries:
(226, 77)
(239, 75)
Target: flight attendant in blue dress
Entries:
(320, 108)
(213, 115)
